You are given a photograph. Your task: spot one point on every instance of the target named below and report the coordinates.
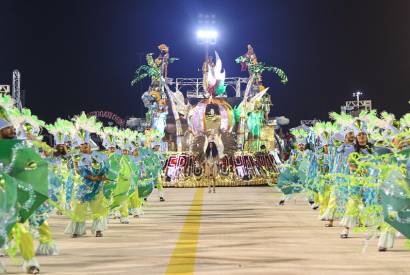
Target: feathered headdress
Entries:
(371, 120)
(344, 121)
(318, 129)
(374, 125)
(157, 138)
(360, 123)
(153, 137)
(300, 135)
(109, 136)
(138, 142)
(125, 138)
(26, 123)
(6, 104)
(85, 126)
(62, 131)
(163, 48)
(324, 132)
(140, 139)
(389, 125)
(405, 122)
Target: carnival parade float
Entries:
(185, 114)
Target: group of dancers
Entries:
(77, 178)
(355, 170)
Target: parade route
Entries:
(234, 231)
(116, 117)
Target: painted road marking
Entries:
(183, 257)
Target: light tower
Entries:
(354, 107)
(206, 33)
(16, 93)
(357, 94)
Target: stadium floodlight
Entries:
(207, 36)
(357, 95)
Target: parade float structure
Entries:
(185, 113)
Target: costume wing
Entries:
(252, 101)
(229, 143)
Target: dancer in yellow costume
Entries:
(92, 168)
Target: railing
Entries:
(354, 104)
(5, 89)
(196, 84)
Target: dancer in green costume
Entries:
(293, 174)
(22, 167)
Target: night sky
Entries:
(79, 55)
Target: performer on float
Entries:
(255, 68)
(250, 54)
(164, 57)
(212, 158)
(206, 67)
(92, 168)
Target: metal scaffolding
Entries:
(194, 86)
(357, 105)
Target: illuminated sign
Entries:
(244, 167)
(108, 115)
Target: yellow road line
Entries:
(183, 257)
